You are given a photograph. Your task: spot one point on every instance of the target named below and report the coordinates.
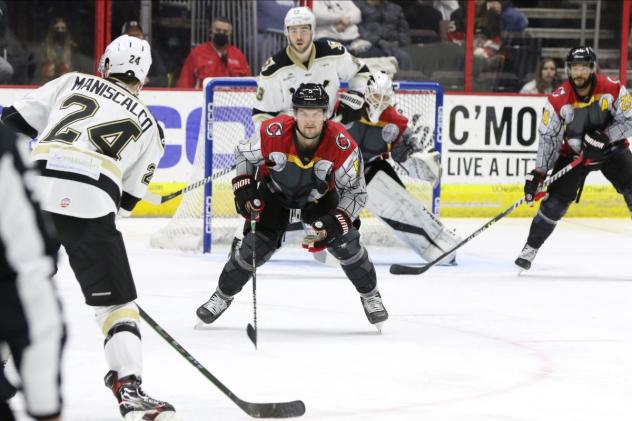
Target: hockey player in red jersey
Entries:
(590, 114)
(306, 163)
(384, 133)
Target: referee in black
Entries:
(31, 321)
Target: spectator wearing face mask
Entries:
(58, 54)
(215, 58)
(157, 76)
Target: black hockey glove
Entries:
(350, 106)
(533, 186)
(329, 228)
(595, 148)
(247, 198)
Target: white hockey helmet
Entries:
(127, 55)
(378, 95)
(299, 16)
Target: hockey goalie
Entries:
(384, 135)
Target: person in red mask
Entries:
(215, 58)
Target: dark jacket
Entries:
(385, 22)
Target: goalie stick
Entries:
(156, 199)
(397, 269)
(255, 410)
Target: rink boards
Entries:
(489, 143)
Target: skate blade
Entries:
(379, 326)
(143, 416)
(200, 325)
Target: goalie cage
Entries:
(207, 215)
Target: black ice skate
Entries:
(7, 390)
(526, 257)
(374, 308)
(214, 307)
(134, 404)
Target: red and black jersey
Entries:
(375, 139)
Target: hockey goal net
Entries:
(207, 215)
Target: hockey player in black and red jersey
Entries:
(307, 163)
(384, 133)
(590, 114)
(97, 148)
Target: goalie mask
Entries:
(126, 55)
(378, 95)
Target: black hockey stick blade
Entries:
(255, 410)
(396, 269)
(252, 334)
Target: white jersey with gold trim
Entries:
(97, 144)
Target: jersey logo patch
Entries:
(390, 132)
(334, 44)
(269, 62)
(342, 142)
(274, 129)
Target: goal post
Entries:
(207, 216)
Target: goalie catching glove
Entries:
(350, 107)
(330, 227)
(247, 197)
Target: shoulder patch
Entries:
(275, 63)
(274, 129)
(342, 141)
(328, 48)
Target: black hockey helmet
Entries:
(310, 95)
(584, 55)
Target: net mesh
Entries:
(229, 122)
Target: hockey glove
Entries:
(350, 107)
(247, 198)
(329, 228)
(595, 148)
(533, 186)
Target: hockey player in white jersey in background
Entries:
(97, 148)
(305, 60)
(384, 133)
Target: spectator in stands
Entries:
(157, 72)
(58, 53)
(511, 19)
(421, 16)
(384, 26)
(215, 58)
(270, 36)
(546, 79)
(338, 20)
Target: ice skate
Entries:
(374, 308)
(7, 390)
(134, 404)
(526, 257)
(208, 312)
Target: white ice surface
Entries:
(473, 342)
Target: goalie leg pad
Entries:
(123, 351)
(238, 269)
(355, 262)
(409, 221)
(552, 209)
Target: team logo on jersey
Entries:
(356, 166)
(334, 44)
(65, 202)
(269, 62)
(342, 142)
(274, 129)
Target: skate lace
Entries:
(216, 304)
(373, 304)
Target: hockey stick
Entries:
(156, 199)
(250, 330)
(418, 270)
(255, 410)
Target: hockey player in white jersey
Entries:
(307, 61)
(384, 133)
(97, 148)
